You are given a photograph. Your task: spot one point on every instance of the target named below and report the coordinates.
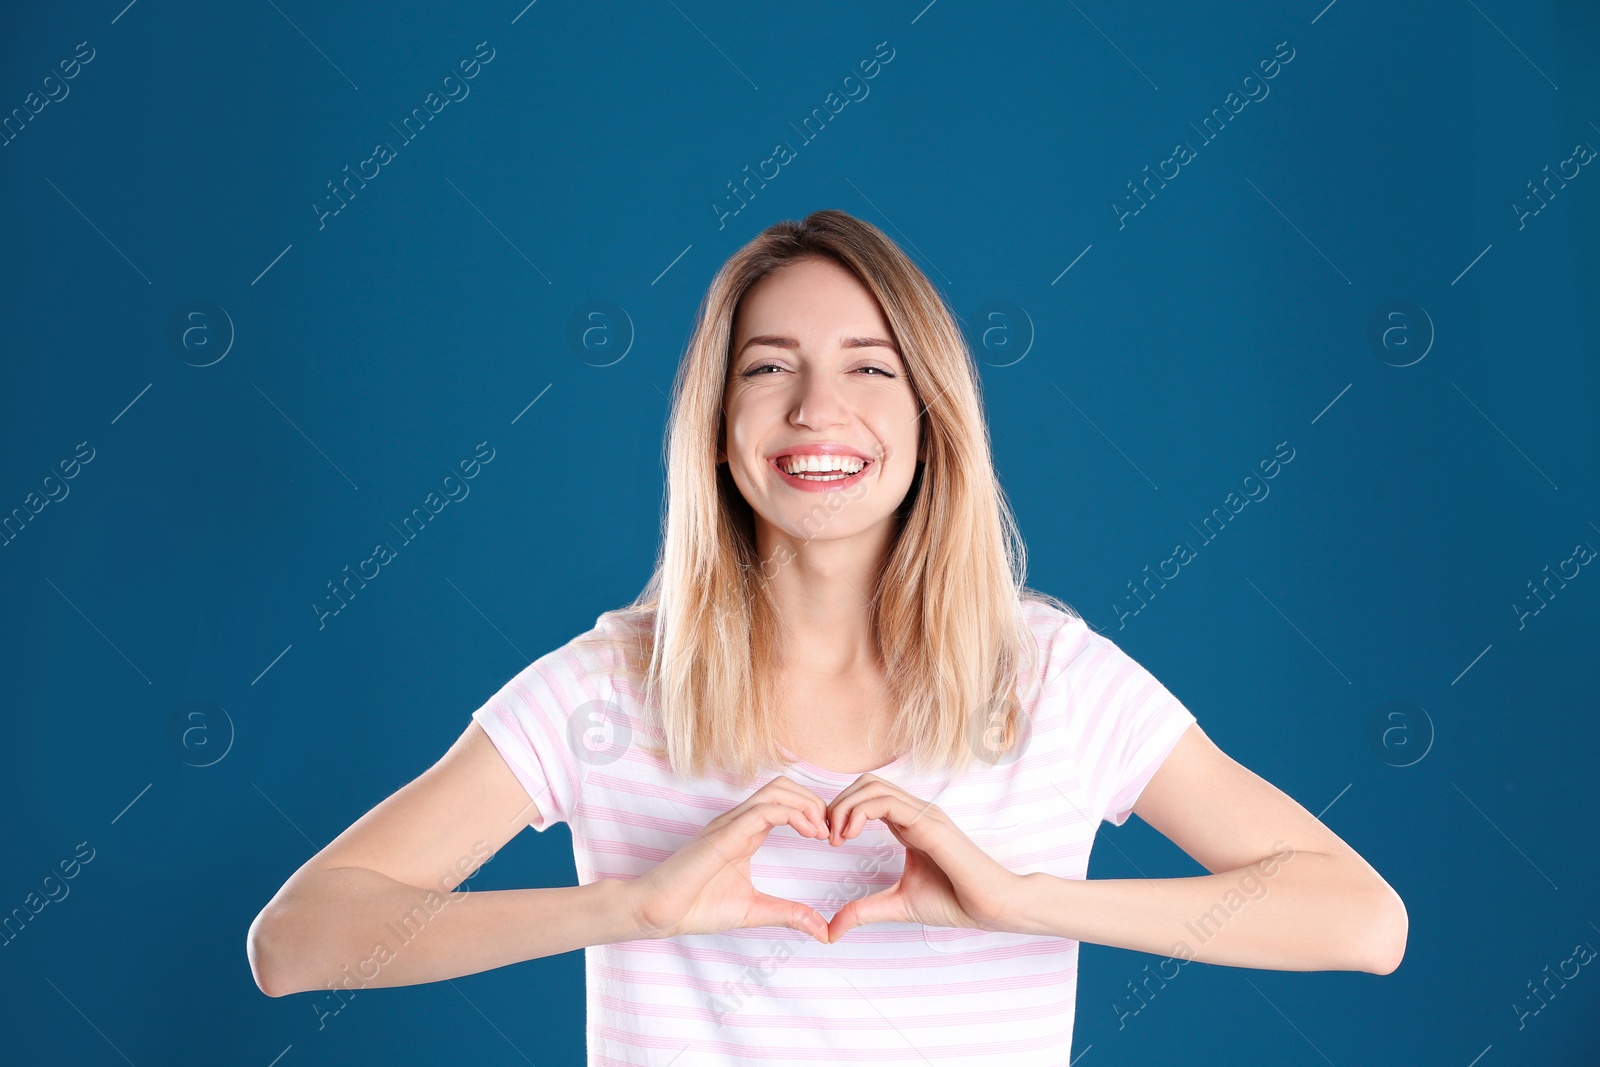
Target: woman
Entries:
(833, 778)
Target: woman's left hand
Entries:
(947, 879)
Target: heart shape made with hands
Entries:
(947, 880)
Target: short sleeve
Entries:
(1129, 723)
(531, 722)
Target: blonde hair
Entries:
(702, 639)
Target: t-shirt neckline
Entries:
(798, 764)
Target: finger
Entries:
(757, 821)
(736, 835)
(784, 781)
(768, 910)
(863, 782)
(735, 841)
(891, 806)
(786, 784)
(839, 811)
(884, 906)
(815, 809)
(944, 845)
(813, 823)
(842, 820)
(790, 791)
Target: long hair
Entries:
(702, 640)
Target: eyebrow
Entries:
(777, 341)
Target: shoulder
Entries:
(619, 643)
(1065, 638)
(1077, 664)
(1059, 632)
(1044, 611)
(586, 664)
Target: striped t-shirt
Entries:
(885, 993)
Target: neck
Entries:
(823, 596)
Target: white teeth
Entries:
(799, 464)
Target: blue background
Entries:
(1128, 396)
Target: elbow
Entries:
(1387, 926)
(266, 965)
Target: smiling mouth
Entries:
(821, 468)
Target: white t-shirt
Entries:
(886, 993)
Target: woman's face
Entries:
(815, 380)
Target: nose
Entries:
(819, 401)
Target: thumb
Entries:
(884, 906)
(768, 910)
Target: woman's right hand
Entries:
(705, 887)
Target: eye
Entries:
(756, 370)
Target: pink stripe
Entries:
(742, 1014)
(1171, 731)
(502, 728)
(900, 990)
(1060, 1039)
(1044, 947)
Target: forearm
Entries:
(1307, 912)
(360, 929)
